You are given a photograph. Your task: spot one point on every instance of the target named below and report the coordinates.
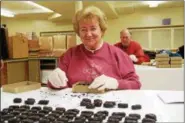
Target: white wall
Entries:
(142, 18)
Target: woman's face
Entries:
(90, 33)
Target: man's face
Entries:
(125, 39)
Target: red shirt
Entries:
(79, 64)
(135, 49)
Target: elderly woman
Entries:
(94, 61)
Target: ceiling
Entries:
(113, 9)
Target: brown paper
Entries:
(59, 42)
(46, 43)
(71, 41)
(18, 47)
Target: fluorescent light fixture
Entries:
(6, 13)
(153, 3)
(56, 15)
(39, 6)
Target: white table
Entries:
(153, 78)
(65, 98)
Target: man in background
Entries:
(132, 48)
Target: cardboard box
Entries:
(14, 71)
(71, 41)
(176, 66)
(18, 47)
(162, 62)
(176, 62)
(33, 45)
(59, 42)
(82, 87)
(176, 58)
(162, 59)
(46, 43)
(163, 66)
(19, 87)
(58, 52)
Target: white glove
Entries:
(133, 57)
(104, 82)
(58, 78)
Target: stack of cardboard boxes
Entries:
(55, 45)
(162, 61)
(18, 46)
(165, 61)
(33, 46)
(59, 45)
(46, 46)
(176, 62)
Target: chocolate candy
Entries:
(15, 113)
(131, 118)
(151, 116)
(87, 112)
(44, 120)
(135, 115)
(113, 119)
(97, 102)
(64, 119)
(7, 116)
(60, 109)
(51, 118)
(29, 101)
(58, 122)
(25, 106)
(109, 104)
(43, 102)
(103, 112)
(86, 100)
(90, 106)
(38, 108)
(17, 100)
(54, 115)
(47, 108)
(34, 118)
(74, 110)
(13, 120)
(58, 112)
(87, 115)
(130, 121)
(80, 118)
(13, 107)
(136, 107)
(27, 121)
(148, 120)
(21, 117)
(119, 114)
(122, 105)
(83, 83)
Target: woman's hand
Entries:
(58, 78)
(104, 82)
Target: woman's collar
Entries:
(101, 44)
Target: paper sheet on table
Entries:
(172, 97)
